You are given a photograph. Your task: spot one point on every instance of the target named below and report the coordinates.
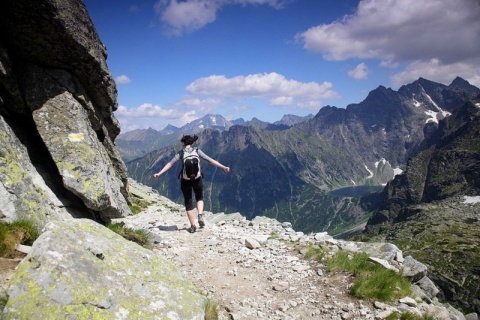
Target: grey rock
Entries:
(413, 269)
(84, 270)
(251, 243)
(383, 263)
(428, 287)
(62, 82)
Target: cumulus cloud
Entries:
(434, 69)
(146, 110)
(402, 31)
(122, 79)
(272, 86)
(359, 72)
(187, 16)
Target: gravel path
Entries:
(252, 270)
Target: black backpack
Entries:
(191, 165)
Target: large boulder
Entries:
(57, 97)
(82, 270)
(23, 192)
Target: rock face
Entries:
(432, 209)
(448, 167)
(82, 270)
(57, 99)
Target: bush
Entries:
(138, 236)
(372, 281)
(21, 231)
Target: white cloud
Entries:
(272, 86)
(187, 16)
(403, 31)
(434, 69)
(359, 72)
(122, 79)
(149, 115)
(146, 110)
(281, 101)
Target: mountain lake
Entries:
(355, 191)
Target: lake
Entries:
(355, 191)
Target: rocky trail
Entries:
(257, 269)
(252, 270)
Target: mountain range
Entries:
(287, 173)
(137, 143)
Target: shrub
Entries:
(21, 231)
(138, 236)
(372, 281)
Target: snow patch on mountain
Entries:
(416, 103)
(397, 171)
(383, 161)
(371, 173)
(471, 200)
(435, 116)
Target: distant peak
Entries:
(459, 82)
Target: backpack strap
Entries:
(181, 159)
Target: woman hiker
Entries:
(191, 177)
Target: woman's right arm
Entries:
(167, 166)
(164, 169)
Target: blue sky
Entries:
(175, 61)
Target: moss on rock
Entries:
(82, 270)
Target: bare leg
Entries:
(201, 222)
(191, 217)
(200, 207)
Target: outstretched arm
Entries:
(221, 166)
(164, 169)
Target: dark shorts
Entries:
(187, 186)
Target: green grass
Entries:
(372, 281)
(21, 231)
(408, 316)
(138, 236)
(135, 209)
(3, 300)
(273, 235)
(211, 310)
(138, 204)
(316, 253)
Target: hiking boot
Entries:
(192, 229)
(201, 222)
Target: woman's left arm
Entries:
(221, 166)
(213, 162)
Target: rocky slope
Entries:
(57, 127)
(251, 269)
(435, 201)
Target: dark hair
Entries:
(189, 140)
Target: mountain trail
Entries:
(251, 269)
